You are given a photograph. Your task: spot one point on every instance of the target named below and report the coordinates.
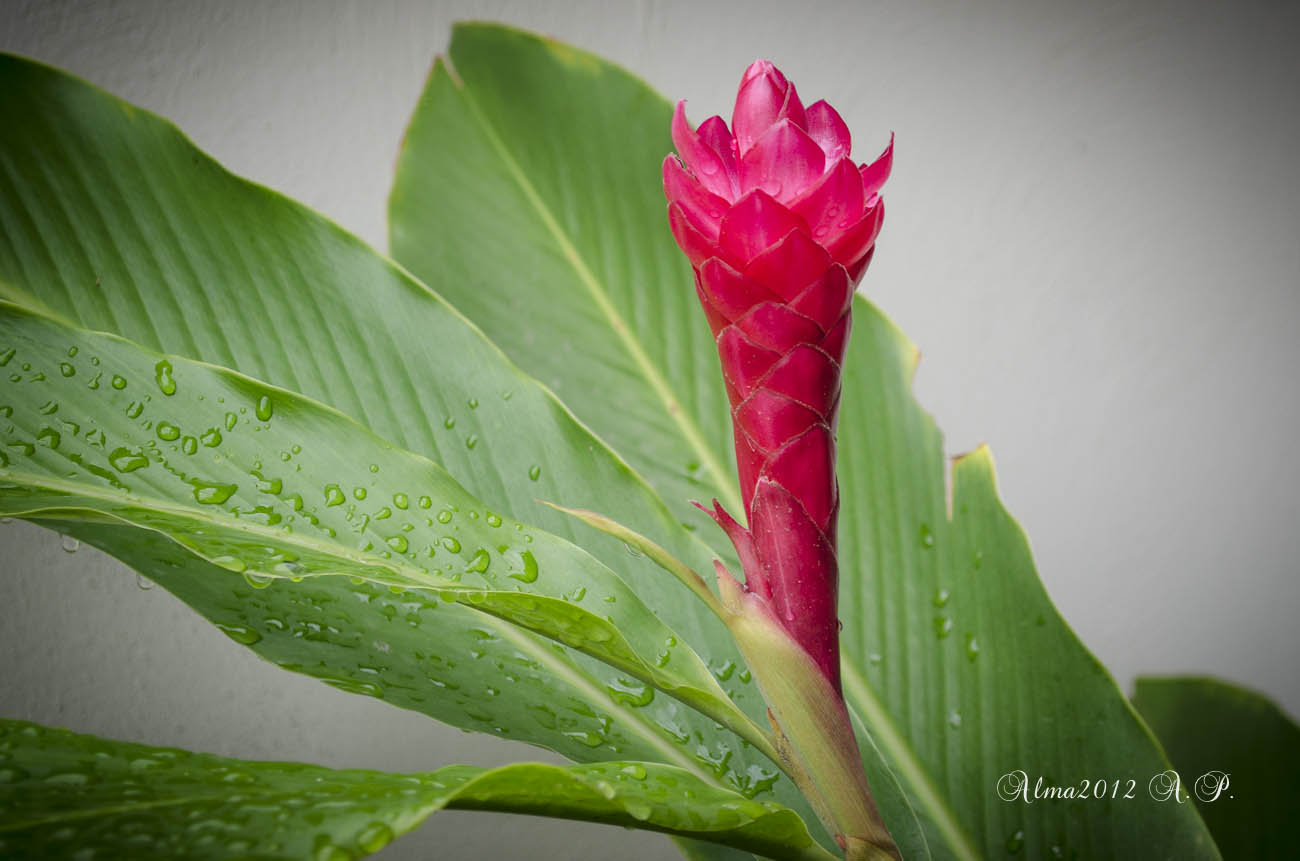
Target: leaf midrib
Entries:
(659, 385)
(522, 639)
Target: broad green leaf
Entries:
(538, 167)
(954, 656)
(111, 219)
(65, 795)
(270, 485)
(955, 661)
(1237, 756)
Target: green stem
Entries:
(812, 725)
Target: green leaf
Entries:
(112, 220)
(282, 487)
(955, 660)
(954, 656)
(537, 166)
(1214, 730)
(65, 795)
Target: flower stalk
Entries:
(779, 225)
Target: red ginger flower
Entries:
(779, 225)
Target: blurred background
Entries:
(1093, 236)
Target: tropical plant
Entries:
(339, 462)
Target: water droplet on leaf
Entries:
(241, 634)
(211, 492)
(127, 460)
(163, 373)
(529, 574)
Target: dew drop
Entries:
(333, 495)
(66, 369)
(163, 373)
(231, 420)
(444, 516)
(323, 849)
(241, 634)
(143, 583)
(134, 409)
(479, 562)
(69, 544)
(425, 502)
(638, 810)
(359, 492)
(399, 543)
(400, 500)
(940, 597)
(118, 382)
(451, 543)
(168, 431)
(71, 778)
(972, 648)
(127, 460)
(212, 493)
(588, 738)
(1015, 842)
(7, 356)
(264, 408)
(376, 836)
(927, 537)
(189, 445)
(534, 472)
(258, 580)
(954, 720)
(529, 574)
(449, 422)
(942, 626)
(210, 437)
(492, 520)
(230, 563)
(471, 441)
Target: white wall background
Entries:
(1093, 235)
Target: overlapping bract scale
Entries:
(779, 224)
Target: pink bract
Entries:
(779, 225)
